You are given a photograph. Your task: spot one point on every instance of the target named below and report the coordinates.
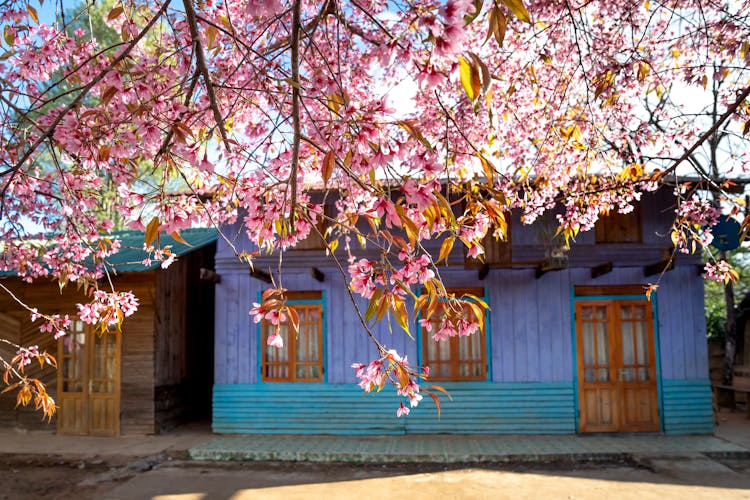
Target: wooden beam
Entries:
(601, 270)
(484, 270)
(317, 274)
(261, 275)
(209, 275)
(658, 267)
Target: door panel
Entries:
(616, 366)
(104, 397)
(88, 382)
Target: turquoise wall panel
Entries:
(687, 406)
(476, 408)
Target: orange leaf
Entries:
(436, 400)
(178, 237)
(441, 389)
(445, 248)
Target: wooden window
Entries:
(457, 358)
(619, 228)
(301, 358)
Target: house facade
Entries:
(153, 375)
(568, 347)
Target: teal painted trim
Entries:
(608, 297)
(657, 353)
(688, 407)
(319, 408)
(261, 346)
(487, 336)
(574, 343)
(324, 323)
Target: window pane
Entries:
(456, 358)
(300, 358)
(628, 353)
(641, 337)
(589, 356)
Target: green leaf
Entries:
(9, 35)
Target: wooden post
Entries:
(730, 327)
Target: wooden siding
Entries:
(343, 409)
(137, 396)
(183, 342)
(687, 406)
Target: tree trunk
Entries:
(730, 332)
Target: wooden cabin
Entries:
(571, 344)
(154, 375)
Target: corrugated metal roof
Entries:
(131, 255)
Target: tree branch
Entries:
(296, 25)
(84, 91)
(729, 112)
(200, 62)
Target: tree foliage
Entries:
(430, 119)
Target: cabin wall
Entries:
(183, 344)
(532, 386)
(136, 400)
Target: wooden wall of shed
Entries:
(137, 394)
(183, 344)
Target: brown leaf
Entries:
(152, 231)
(115, 13)
(329, 161)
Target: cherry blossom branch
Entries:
(200, 62)
(296, 14)
(84, 91)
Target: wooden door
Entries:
(89, 382)
(616, 366)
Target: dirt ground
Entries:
(161, 478)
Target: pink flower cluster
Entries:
(25, 355)
(394, 369)
(108, 308)
(363, 277)
(721, 271)
(275, 316)
(53, 323)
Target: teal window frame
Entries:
(324, 338)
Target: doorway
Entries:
(617, 380)
(88, 381)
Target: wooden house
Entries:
(569, 347)
(153, 375)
